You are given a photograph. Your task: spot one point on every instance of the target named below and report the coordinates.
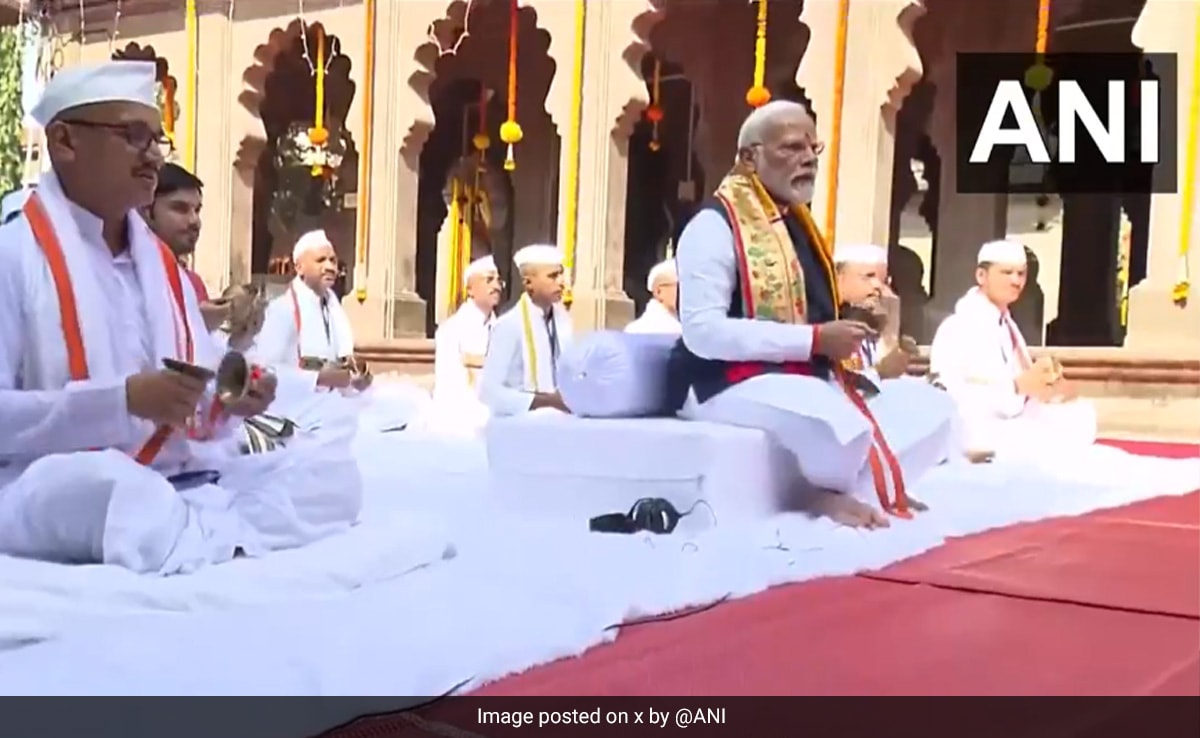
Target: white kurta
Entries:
(656, 319)
(455, 385)
(977, 353)
(69, 488)
(814, 419)
(516, 368)
(300, 323)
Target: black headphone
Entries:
(653, 514)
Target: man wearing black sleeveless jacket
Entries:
(763, 345)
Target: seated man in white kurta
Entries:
(660, 315)
(861, 271)
(106, 456)
(519, 373)
(461, 343)
(1008, 403)
(763, 345)
(306, 327)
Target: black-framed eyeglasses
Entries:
(138, 135)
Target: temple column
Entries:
(882, 65)
(392, 308)
(1155, 321)
(215, 259)
(605, 124)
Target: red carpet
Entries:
(1103, 604)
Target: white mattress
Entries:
(549, 463)
(379, 613)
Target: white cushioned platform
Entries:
(549, 463)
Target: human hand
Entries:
(551, 400)
(1034, 382)
(215, 313)
(361, 381)
(260, 394)
(894, 364)
(164, 396)
(334, 378)
(838, 340)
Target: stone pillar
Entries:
(1087, 304)
(392, 308)
(1155, 322)
(882, 65)
(216, 148)
(600, 299)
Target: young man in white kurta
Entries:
(522, 359)
(78, 481)
(1008, 403)
(660, 315)
(461, 343)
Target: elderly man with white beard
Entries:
(106, 456)
(764, 344)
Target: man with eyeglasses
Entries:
(461, 343)
(764, 344)
(116, 448)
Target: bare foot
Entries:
(846, 510)
(916, 505)
(980, 457)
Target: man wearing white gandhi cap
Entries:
(306, 325)
(522, 359)
(862, 277)
(108, 457)
(660, 315)
(1008, 402)
(461, 341)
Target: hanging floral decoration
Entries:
(309, 174)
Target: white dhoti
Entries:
(1039, 427)
(830, 438)
(104, 507)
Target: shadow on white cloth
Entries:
(380, 611)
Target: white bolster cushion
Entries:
(612, 374)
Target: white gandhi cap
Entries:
(117, 81)
(479, 266)
(661, 270)
(308, 242)
(1002, 252)
(539, 254)
(860, 253)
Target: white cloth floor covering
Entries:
(439, 584)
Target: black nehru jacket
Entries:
(708, 377)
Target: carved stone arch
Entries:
(634, 54)
(340, 88)
(134, 51)
(279, 91)
(448, 49)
